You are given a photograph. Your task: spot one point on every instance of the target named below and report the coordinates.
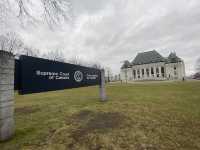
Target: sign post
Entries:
(102, 86)
(34, 75)
(6, 95)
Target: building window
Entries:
(157, 72)
(138, 73)
(174, 67)
(175, 70)
(147, 71)
(142, 72)
(134, 74)
(163, 71)
(152, 71)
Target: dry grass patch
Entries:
(152, 116)
(85, 127)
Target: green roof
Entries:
(148, 58)
(151, 57)
(172, 58)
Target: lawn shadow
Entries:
(89, 122)
(99, 122)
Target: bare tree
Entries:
(76, 60)
(3, 42)
(56, 55)
(54, 12)
(11, 42)
(30, 51)
(4, 13)
(24, 14)
(97, 66)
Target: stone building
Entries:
(152, 66)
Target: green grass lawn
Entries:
(142, 116)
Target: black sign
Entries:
(39, 75)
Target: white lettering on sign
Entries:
(92, 76)
(53, 75)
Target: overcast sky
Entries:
(110, 31)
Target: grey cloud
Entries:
(88, 6)
(110, 31)
(176, 30)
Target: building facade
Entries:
(152, 66)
